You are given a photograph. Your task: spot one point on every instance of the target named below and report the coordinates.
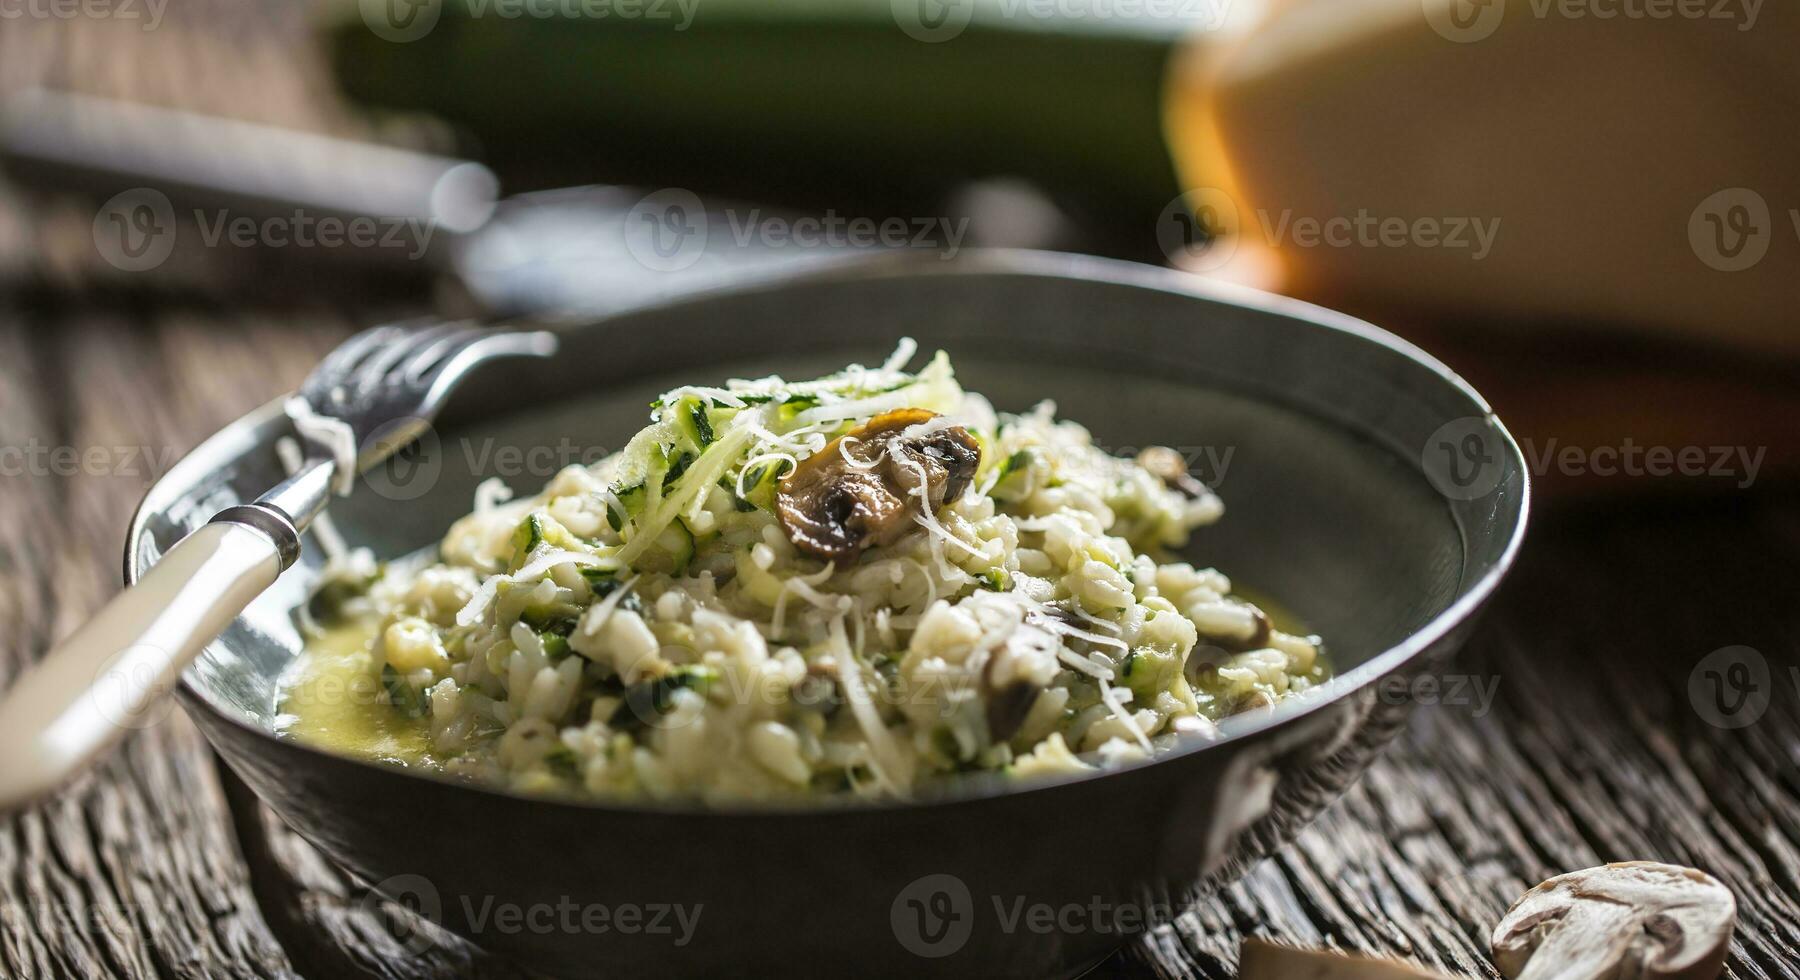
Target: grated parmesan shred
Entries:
(1116, 705)
(334, 434)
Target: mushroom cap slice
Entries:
(1636, 919)
(863, 489)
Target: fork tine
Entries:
(405, 370)
(336, 366)
(376, 368)
(443, 346)
(466, 349)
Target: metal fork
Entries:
(386, 385)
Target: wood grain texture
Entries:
(134, 871)
(1591, 748)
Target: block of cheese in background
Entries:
(1634, 163)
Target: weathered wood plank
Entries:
(133, 870)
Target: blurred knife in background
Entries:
(170, 184)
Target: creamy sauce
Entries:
(1279, 617)
(332, 698)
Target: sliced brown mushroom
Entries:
(862, 490)
(1260, 960)
(1254, 634)
(1638, 919)
(1008, 708)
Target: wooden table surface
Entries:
(1581, 725)
(1591, 748)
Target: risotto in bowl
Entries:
(861, 585)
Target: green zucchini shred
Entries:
(526, 539)
(600, 581)
(738, 503)
(410, 701)
(703, 429)
(632, 499)
(678, 463)
(1020, 459)
(647, 700)
(562, 762)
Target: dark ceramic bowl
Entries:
(1367, 488)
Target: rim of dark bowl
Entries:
(237, 437)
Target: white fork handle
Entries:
(113, 675)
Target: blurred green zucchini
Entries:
(808, 102)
